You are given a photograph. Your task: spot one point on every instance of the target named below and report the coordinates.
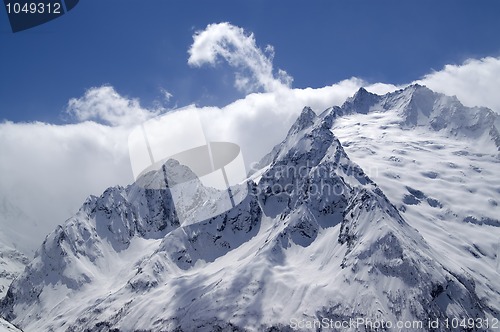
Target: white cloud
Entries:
(48, 170)
(261, 120)
(254, 69)
(166, 94)
(104, 104)
(475, 82)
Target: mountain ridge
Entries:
(311, 212)
(420, 106)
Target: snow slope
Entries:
(446, 183)
(316, 238)
(7, 327)
(12, 263)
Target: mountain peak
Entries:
(416, 86)
(417, 89)
(361, 102)
(315, 231)
(417, 105)
(363, 94)
(361, 91)
(305, 120)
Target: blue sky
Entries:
(140, 48)
(73, 89)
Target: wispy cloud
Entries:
(254, 69)
(166, 94)
(475, 82)
(104, 104)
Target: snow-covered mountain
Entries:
(7, 327)
(317, 240)
(418, 106)
(445, 183)
(12, 263)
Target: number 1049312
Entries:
(34, 8)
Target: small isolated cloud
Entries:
(104, 104)
(254, 69)
(475, 82)
(166, 94)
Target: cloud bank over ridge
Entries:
(47, 170)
